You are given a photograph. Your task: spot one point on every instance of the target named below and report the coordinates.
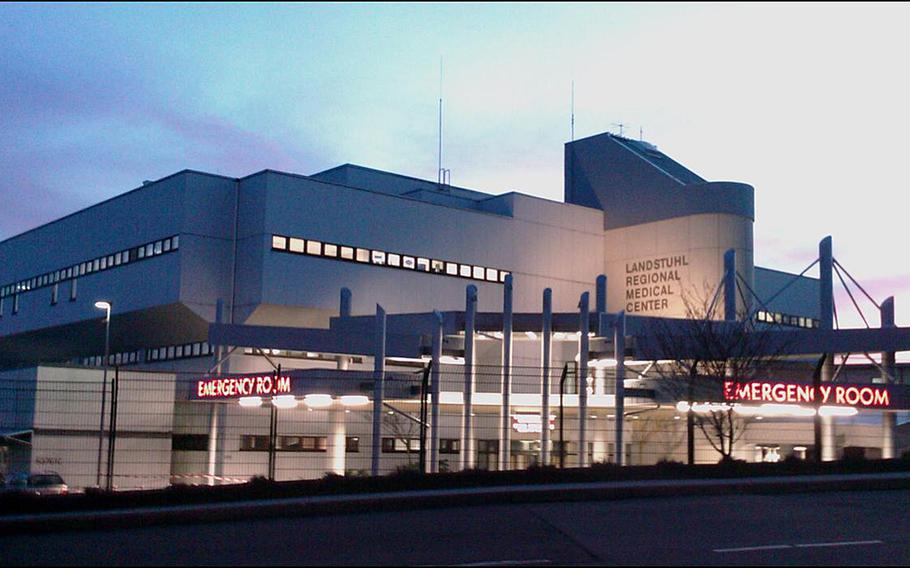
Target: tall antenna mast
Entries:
(641, 134)
(439, 171)
(572, 127)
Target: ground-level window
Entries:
(302, 443)
(400, 445)
(352, 444)
(253, 443)
(190, 442)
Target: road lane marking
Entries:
(802, 545)
(508, 563)
(751, 548)
(844, 543)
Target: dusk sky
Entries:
(807, 103)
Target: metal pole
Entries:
(619, 352)
(112, 428)
(273, 430)
(562, 416)
(435, 390)
(107, 348)
(826, 315)
(214, 407)
(378, 379)
(424, 391)
(546, 360)
(584, 326)
(505, 437)
(729, 285)
(467, 444)
(889, 419)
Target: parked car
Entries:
(47, 483)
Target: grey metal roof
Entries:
(661, 161)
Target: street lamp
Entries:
(106, 306)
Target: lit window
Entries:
(464, 270)
(296, 245)
(141, 252)
(394, 259)
(478, 273)
(110, 261)
(502, 275)
(157, 248)
(451, 269)
(347, 253)
(492, 275)
(437, 266)
(378, 257)
(197, 349)
(103, 263)
(408, 262)
(149, 249)
(117, 259)
(167, 245)
(423, 264)
(314, 247)
(279, 242)
(170, 352)
(175, 242)
(363, 255)
(126, 256)
(178, 351)
(73, 290)
(330, 250)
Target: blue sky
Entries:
(806, 102)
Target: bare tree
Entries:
(703, 350)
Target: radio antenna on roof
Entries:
(620, 126)
(441, 173)
(572, 122)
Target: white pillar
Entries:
(546, 360)
(467, 435)
(584, 327)
(619, 348)
(214, 411)
(435, 388)
(505, 424)
(337, 437)
(378, 379)
(889, 419)
(826, 319)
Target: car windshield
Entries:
(45, 479)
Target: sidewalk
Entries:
(404, 500)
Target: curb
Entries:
(430, 499)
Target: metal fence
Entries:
(153, 432)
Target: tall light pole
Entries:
(106, 306)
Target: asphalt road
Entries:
(837, 528)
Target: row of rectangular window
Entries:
(384, 258)
(199, 349)
(412, 445)
(259, 443)
(786, 319)
(187, 350)
(126, 358)
(105, 262)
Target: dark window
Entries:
(190, 442)
(302, 443)
(400, 445)
(16, 304)
(352, 444)
(250, 443)
(449, 446)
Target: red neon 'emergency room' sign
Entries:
(235, 387)
(868, 396)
